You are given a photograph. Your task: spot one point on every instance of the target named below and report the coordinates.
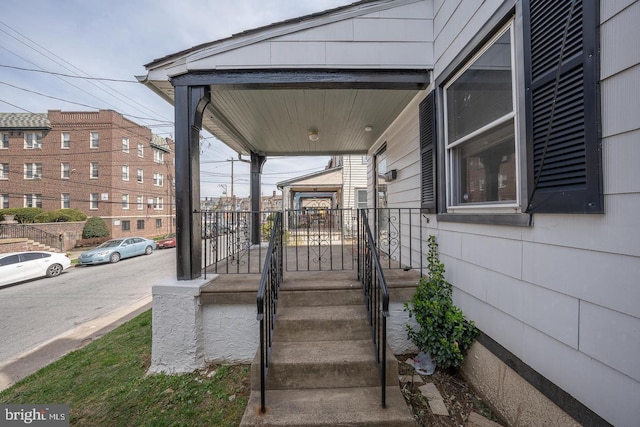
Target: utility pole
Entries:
(233, 196)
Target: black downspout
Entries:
(190, 103)
(257, 161)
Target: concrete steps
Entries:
(323, 370)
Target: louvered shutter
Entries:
(562, 106)
(428, 144)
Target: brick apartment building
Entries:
(98, 162)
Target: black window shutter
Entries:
(561, 52)
(428, 145)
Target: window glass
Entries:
(480, 128)
(8, 260)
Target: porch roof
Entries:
(336, 72)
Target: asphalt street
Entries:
(45, 317)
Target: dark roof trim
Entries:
(254, 31)
(307, 79)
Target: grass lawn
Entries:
(105, 384)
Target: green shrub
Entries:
(444, 333)
(22, 215)
(61, 215)
(95, 227)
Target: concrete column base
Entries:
(178, 342)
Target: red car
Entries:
(169, 241)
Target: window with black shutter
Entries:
(428, 144)
(561, 51)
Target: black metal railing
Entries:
(227, 246)
(267, 301)
(24, 231)
(320, 238)
(376, 294)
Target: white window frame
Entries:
(32, 140)
(359, 191)
(33, 200)
(125, 145)
(4, 171)
(65, 140)
(158, 180)
(32, 171)
(140, 176)
(140, 202)
(94, 140)
(65, 197)
(158, 156)
(125, 201)
(94, 170)
(158, 203)
(125, 172)
(450, 160)
(4, 143)
(65, 170)
(140, 150)
(4, 201)
(93, 201)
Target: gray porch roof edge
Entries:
(311, 175)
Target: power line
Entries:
(69, 75)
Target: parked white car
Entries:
(19, 266)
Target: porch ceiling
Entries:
(256, 114)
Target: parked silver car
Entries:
(19, 266)
(116, 249)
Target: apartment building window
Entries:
(140, 175)
(158, 179)
(5, 141)
(4, 170)
(93, 170)
(64, 171)
(33, 200)
(65, 201)
(4, 201)
(140, 224)
(140, 150)
(158, 222)
(125, 173)
(125, 145)
(125, 201)
(140, 202)
(32, 140)
(158, 203)
(158, 156)
(93, 201)
(126, 225)
(94, 140)
(65, 140)
(32, 170)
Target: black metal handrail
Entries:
(267, 301)
(376, 296)
(24, 231)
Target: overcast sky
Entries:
(113, 40)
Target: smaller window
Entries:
(361, 198)
(93, 201)
(32, 140)
(158, 203)
(33, 200)
(140, 176)
(93, 172)
(125, 145)
(140, 224)
(94, 140)
(158, 156)
(65, 173)
(140, 202)
(4, 201)
(125, 201)
(5, 141)
(65, 140)
(65, 201)
(4, 170)
(126, 225)
(158, 223)
(158, 179)
(140, 150)
(125, 173)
